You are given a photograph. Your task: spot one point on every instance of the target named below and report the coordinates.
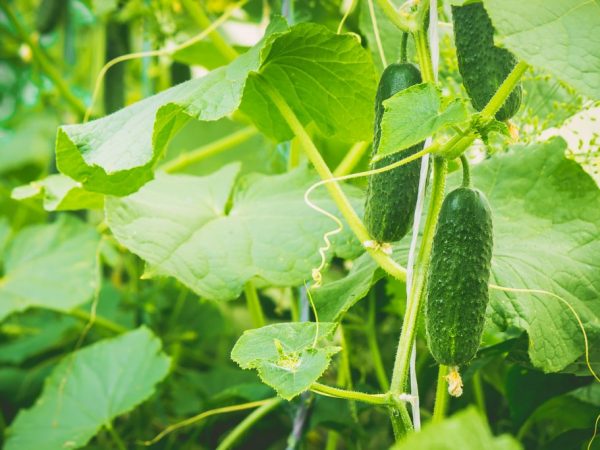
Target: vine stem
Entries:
(441, 395)
(352, 158)
(330, 391)
(196, 11)
(335, 190)
(47, 66)
(115, 436)
(187, 159)
(98, 320)
(248, 422)
(403, 21)
(254, 306)
(466, 181)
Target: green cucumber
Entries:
(459, 272)
(392, 195)
(49, 14)
(482, 65)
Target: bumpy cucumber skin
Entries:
(482, 65)
(392, 195)
(457, 284)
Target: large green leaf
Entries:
(414, 114)
(182, 226)
(560, 36)
(466, 430)
(50, 266)
(103, 381)
(289, 357)
(59, 193)
(326, 78)
(546, 213)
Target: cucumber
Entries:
(459, 272)
(482, 65)
(117, 44)
(49, 14)
(392, 195)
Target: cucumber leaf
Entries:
(286, 355)
(184, 227)
(560, 36)
(50, 266)
(414, 114)
(466, 430)
(59, 193)
(103, 381)
(325, 78)
(333, 299)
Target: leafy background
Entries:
(111, 220)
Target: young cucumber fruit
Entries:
(482, 65)
(392, 195)
(459, 272)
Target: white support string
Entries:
(414, 386)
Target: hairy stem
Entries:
(403, 21)
(382, 378)
(401, 363)
(335, 190)
(351, 159)
(441, 395)
(197, 13)
(254, 306)
(235, 435)
(187, 159)
(329, 391)
(466, 181)
(100, 321)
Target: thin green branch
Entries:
(403, 20)
(479, 393)
(440, 166)
(197, 13)
(187, 159)
(335, 190)
(100, 321)
(466, 181)
(352, 158)
(382, 377)
(441, 395)
(329, 391)
(115, 437)
(234, 436)
(254, 306)
(42, 59)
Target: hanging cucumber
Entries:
(482, 65)
(49, 14)
(459, 272)
(392, 195)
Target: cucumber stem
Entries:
(330, 391)
(241, 428)
(212, 148)
(197, 13)
(403, 48)
(254, 306)
(466, 181)
(335, 190)
(441, 395)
